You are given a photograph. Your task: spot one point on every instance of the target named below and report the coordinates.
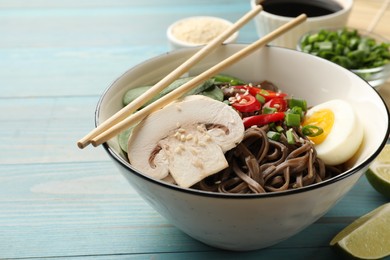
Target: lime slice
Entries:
(384, 155)
(368, 237)
(378, 174)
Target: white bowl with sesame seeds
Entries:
(197, 31)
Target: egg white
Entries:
(346, 134)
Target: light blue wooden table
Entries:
(59, 202)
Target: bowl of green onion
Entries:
(364, 53)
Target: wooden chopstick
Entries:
(175, 74)
(177, 93)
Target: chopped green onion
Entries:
(294, 102)
(313, 38)
(273, 135)
(279, 128)
(260, 98)
(290, 136)
(298, 111)
(324, 46)
(292, 119)
(312, 130)
(223, 78)
(342, 61)
(264, 92)
(269, 110)
(347, 47)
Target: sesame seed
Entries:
(243, 101)
(178, 150)
(197, 163)
(201, 143)
(200, 128)
(208, 137)
(177, 135)
(181, 130)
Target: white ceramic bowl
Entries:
(198, 27)
(249, 222)
(266, 22)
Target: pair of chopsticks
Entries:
(126, 117)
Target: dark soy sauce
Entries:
(293, 8)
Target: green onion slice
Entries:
(295, 102)
(273, 135)
(312, 130)
(279, 128)
(292, 119)
(290, 136)
(260, 98)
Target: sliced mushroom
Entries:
(186, 139)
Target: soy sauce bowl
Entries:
(269, 20)
(375, 76)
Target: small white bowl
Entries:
(254, 221)
(197, 31)
(266, 22)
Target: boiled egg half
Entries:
(342, 131)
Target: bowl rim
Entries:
(117, 158)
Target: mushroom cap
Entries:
(165, 141)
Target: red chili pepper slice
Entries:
(247, 103)
(251, 90)
(278, 102)
(267, 94)
(263, 119)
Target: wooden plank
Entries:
(363, 12)
(101, 26)
(66, 72)
(275, 254)
(39, 130)
(382, 28)
(22, 4)
(82, 50)
(77, 209)
(81, 209)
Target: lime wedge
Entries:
(384, 155)
(378, 174)
(368, 237)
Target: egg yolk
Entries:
(324, 119)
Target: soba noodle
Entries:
(259, 165)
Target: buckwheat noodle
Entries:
(259, 165)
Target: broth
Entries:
(293, 8)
